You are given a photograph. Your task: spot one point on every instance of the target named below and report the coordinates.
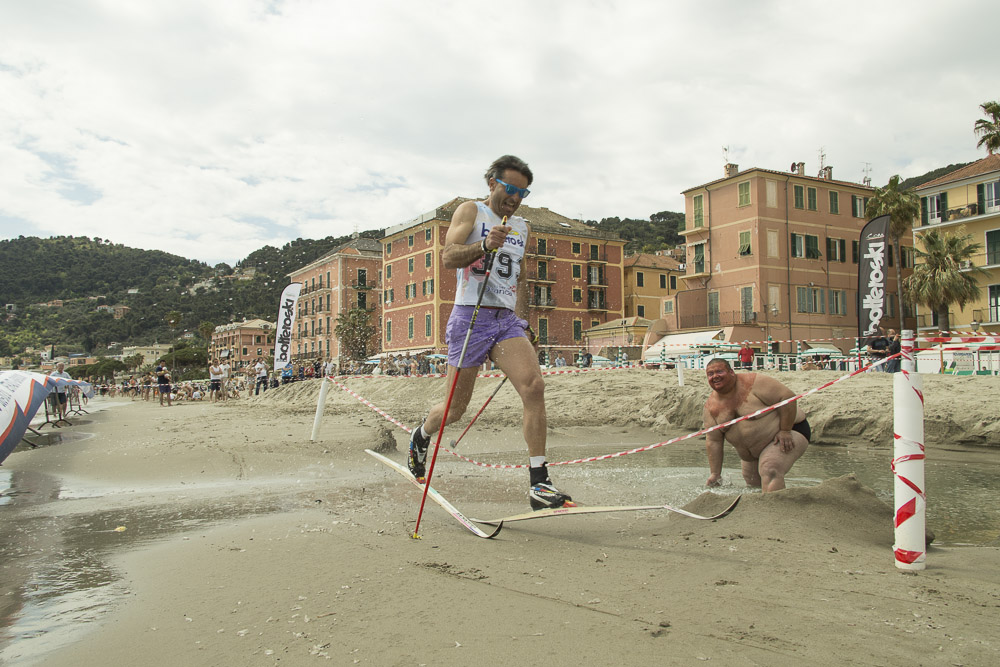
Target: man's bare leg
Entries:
(750, 473)
(773, 463)
(459, 402)
(516, 358)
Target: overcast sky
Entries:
(211, 129)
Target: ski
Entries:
(438, 498)
(584, 509)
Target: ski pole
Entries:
(488, 266)
(454, 443)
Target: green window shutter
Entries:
(843, 250)
(944, 206)
(923, 211)
(812, 199)
(822, 300)
(798, 196)
(981, 198)
(801, 299)
(855, 250)
(830, 245)
(812, 247)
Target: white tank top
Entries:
(501, 291)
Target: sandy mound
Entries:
(958, 410)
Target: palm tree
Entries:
(902, 207)
(988, 130)
(939, 279)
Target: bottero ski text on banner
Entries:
(872, 276)
(286, 320)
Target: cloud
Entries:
(210, 130)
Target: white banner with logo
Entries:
(286, 320)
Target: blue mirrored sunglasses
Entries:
(513, 189)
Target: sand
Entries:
(311, 561)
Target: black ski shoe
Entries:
(418, 454)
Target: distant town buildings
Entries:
(241, 343)
(967, 201)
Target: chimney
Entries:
(731, 169)
(828, 173)
(800, 168)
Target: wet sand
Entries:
(244, 543)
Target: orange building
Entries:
(775, 254)
(649, 279)
(240, 343)
(345, 278)
(574, 273)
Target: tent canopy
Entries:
(676, 345)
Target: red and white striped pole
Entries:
(910, 499)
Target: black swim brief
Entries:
(803, 428)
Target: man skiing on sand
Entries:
(501, 332)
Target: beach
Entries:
(227, 537)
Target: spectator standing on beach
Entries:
(745, 355)
(500, 331)
(560, 360)
(61, 393)
(768, 444)
(895, 347)
(214, 381)
(586, 359)
(226, 372)
(163, 382)
(261, 371)
(878, 349)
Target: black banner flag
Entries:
(872, 295)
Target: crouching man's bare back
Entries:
(768, 444)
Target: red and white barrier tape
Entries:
(636, 450)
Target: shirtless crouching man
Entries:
(768, 444)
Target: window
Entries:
(428, 235)
(663, 281)
(744, 190)
(321, 281)
(836, 250)
(409, 240)
(772, 243)
(427, 325)
(388, 248)
(577, 295)
(810, 300)
(673, 282)
(640, 311)
(543, 330)
(699, 258)
(713, 309)
(388, 330)
(699, 210)
(362, 277)
(834, 202)
(542, 247)
(988, 198)
(855, 249)
(812, 199)
(639, 279)
(994, 302)
(409, 327)
(772, 193)
(773, 299)
(858, 206)
(427, 260)
(930, 209)
(838, 302)
(906, 261)
(543, 270)
(576, 250)
(805, 245)
(577, 330)
(576, 269)
(992, 249)
(744, 243)
(668, 307)
(746, 303)
(799, 196)
(409, 265)
(594, 323)
(388, 271)
(595, 251)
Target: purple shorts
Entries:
(492, 326)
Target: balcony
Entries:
(963, 212)
(541, 302)
(548, 276)
(696, 226)
(362, 285)
(600, 258)
(599, 280)
(597, 304)
(984, 260)
(547, 251)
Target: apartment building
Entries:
(574, 275)
(649, 280)
(967, 200)
(773, 255)
(240, 343)
(345, 278)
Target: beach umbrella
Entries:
(21, 394)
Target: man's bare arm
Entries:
(458, 254)
(714, 446)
